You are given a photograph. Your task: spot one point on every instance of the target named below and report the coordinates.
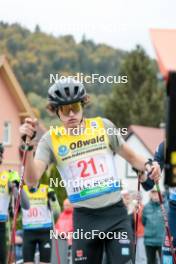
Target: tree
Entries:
(37, 29)
(141, 100)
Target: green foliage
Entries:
(141, 100)
(96, 106)
(35, 55)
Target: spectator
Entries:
(153, 228)
(140, 248)
(64, 227)
(130, 205)
(37, 222)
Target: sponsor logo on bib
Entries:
(79, 253)
(94, 124)
(63, 150)
(87, 142)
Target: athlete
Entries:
(84, 149)
(167, 256)
(9, 182)
(37, 222)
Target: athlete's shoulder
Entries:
(46, 138)
(46, 135)
(108, 123)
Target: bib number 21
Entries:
(90, 167)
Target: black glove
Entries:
(33, 136)
(13, 184)
(16, 184)
(51, 196)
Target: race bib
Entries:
(37, 217)
(91, 177)
(86, 162)
(4, 202)
(4, 196)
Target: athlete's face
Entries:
(71, 115)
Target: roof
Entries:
(151, 137)
(25, 109)
(15, 89)
(164, 41)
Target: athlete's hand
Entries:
(28, 129)
(154, 171)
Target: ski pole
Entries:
(166, 222)
(11, 255)
(137, 209)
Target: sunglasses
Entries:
(75, 108)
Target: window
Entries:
(7, 133)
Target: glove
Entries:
(52, 196)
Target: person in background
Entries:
(170, 204)
(9, 183)
(64, 226)
(140, 248)
(154, 230)
(37, 222)
(130, 206)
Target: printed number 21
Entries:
(84, 165)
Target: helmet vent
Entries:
(58, 93)
(67, 91)
(76, 88)
(82, 92)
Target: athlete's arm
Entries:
(13, 185)
(119, 146)
(24, 201)
(53, 203)
(34, 170)
(35, 166)
(139, 162)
